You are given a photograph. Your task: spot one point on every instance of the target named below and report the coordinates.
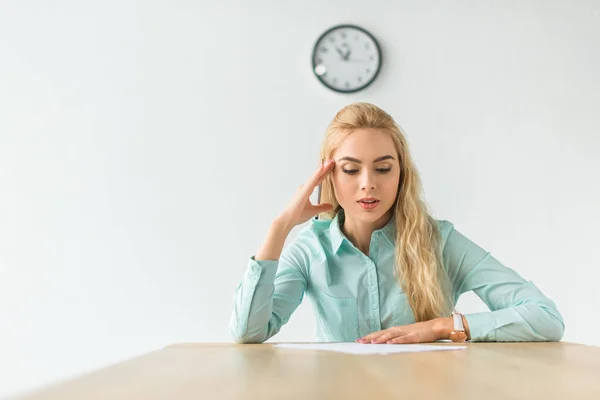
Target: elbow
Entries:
(537, 323)
(549, 325)
(247, 332)
(245, 337)
(554, 328)
(553, 331)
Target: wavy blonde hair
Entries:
(419, 269)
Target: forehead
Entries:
(366, 144)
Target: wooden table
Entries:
(230, 371)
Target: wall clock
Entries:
(346, 58)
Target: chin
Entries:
(368, 215)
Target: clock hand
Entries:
(347, 55)
(340, 51)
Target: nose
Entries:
(367, 182)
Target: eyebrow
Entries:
(356, 160)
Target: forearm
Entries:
(273, 245)
(271, 290)
(530, 322)
(524, 323)
(253, 303)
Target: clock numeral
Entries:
(347, 84)
(367, 46)
(368, 70)
(334, 81)
(332, 39)
(323, 49)
(343, 35)
(359, 79)
(372, 58)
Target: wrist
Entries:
(443, 327)
(281, 224)
(467, 328)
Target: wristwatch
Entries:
(458, 334)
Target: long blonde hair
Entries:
(419, 269)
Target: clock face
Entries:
(346, 58)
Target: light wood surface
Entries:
(230, 371)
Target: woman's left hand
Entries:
(420, 332)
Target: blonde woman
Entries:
(376, 266)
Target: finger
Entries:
(320, 174)
(404, 339)
(387, 336)
(372, 336)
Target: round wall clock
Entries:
(346, 58)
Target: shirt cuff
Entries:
(262, 270)
(482, 327)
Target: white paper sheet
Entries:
(358, 348)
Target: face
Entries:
(366, 174)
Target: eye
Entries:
(354, 171)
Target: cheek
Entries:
(342, 187)
(391, 185)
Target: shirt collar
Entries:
(337, 237)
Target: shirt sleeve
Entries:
(268, 295)
(519, 311)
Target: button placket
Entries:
(373, 297)
(374, 248)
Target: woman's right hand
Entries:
(300, 209)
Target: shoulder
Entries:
(310, 239)
(453, 241)
(445, 228)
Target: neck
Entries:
(360, 232)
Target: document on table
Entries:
(359, 348)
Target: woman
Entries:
(377, 267)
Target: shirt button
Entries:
(374, 306)
(373, 288)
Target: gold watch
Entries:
(458, 334)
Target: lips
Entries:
(368, 203)
(368, 200)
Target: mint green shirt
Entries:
(353, 294)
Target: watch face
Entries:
(458, 336)
(346, 58)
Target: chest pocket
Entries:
(337, 317)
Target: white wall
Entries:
(145, 147)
